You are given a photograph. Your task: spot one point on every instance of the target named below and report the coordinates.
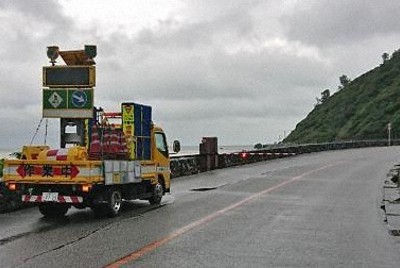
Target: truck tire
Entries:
(114, 203)
(158, 192)
(52, 210)
(111, 208)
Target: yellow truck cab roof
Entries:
(158, 129)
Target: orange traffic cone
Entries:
(95, 147)
(114, 143)
(123, 145)
(106, 141)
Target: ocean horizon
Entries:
(185, 150)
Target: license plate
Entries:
(49, 197)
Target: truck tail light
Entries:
(12, 186)
(86, 188)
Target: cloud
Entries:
(189, 61)
(333, 23)
(245, 71)
(27, 28)
(189, 75)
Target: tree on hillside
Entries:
(258, 146)
(395, 53)
(385, 57)
(324, 96)
(344, 81)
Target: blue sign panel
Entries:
(79, 99)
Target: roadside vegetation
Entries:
(1, 167)
(8, 200)
(360, 109)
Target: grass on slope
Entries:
(361, 110)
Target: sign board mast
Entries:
(68, 91)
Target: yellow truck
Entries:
(104, 158)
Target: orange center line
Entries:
(158, 243)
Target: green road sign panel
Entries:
(55, 99)
(68, 102)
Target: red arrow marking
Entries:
(21, 171)
(74, 171)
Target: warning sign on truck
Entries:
(68, 103)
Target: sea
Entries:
(185, 150)
(191, 150)
(5, 153)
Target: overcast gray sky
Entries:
(244, 71)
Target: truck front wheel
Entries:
(52, 210)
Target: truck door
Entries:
(161, 157)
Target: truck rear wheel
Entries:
(52, 210)
(158, 192)
(111, 208)
(114, 203)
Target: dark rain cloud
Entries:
(341, 23)
(245, 71)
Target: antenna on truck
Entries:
(36, 131)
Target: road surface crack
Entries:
(12, 238)
(9, 239)
(106, 227)
(93, 232)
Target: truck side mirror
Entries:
(176, 147)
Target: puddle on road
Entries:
(394, 232)
(204, 189)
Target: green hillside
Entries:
(362, 109)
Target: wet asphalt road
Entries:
(317, 210)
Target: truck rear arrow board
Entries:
(27, 170)
(74, 171)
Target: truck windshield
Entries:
(161, 143)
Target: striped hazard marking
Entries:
(61, 199)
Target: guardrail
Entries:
(192, 164)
